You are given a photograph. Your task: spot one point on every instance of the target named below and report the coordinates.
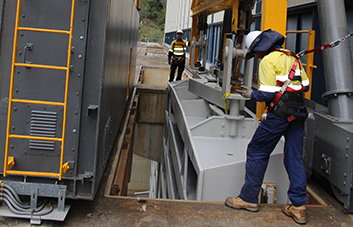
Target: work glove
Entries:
(168, 62)
(245, 91)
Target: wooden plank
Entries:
(150, 88)
(114, 185)
(118, 187)
(123, 170)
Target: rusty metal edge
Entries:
(311, 191)
(193, 201)
(120, 141)
(123, 170)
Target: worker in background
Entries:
(286, 119)
(177, 55)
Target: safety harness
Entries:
(283, 104)
(179, 58)
(286, 108)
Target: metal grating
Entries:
(43, 124)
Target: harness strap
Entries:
(285, 84)
(286, 52)
(323, 47)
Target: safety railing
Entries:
(9, 161)
(310, 57)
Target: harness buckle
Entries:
(290, 118)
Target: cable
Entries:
(28, 212)
(21, 208)
(19, 203)
(12, 191)
(8, 193)
(14, 203)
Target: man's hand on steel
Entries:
(245, 91)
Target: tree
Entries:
(151, 8)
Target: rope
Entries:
(225, 102)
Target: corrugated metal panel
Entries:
(298, 2)
(177, 15)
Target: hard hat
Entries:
(262, 41)
(180, 31)
(249, 42)
(250, 38)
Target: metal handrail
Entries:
(310, 57)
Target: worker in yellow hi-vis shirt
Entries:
(282, 83)
(177, 55)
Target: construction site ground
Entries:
(131, 211)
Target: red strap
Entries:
(290, 76)
(291, 90)
(286, 52)
(323, 47)
(274, 101)
(182, 43)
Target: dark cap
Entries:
(264, 42)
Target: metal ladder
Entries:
(9, 161)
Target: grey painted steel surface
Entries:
(55, 215)
(104, 38)
(205, 149)
(1, 12)
(201, 160)
(328, 151)
(337, 60)
(148, 132)
(34, 190)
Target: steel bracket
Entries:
(326, 167)
(35, 190)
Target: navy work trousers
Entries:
(176, 64)
(259, 149)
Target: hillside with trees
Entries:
(152, 20)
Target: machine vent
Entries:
(43, 124)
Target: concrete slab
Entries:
(134, 212)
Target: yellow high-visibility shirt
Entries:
(177, 47)
(275, 67)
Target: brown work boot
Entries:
(238, 203)
(297, 213)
